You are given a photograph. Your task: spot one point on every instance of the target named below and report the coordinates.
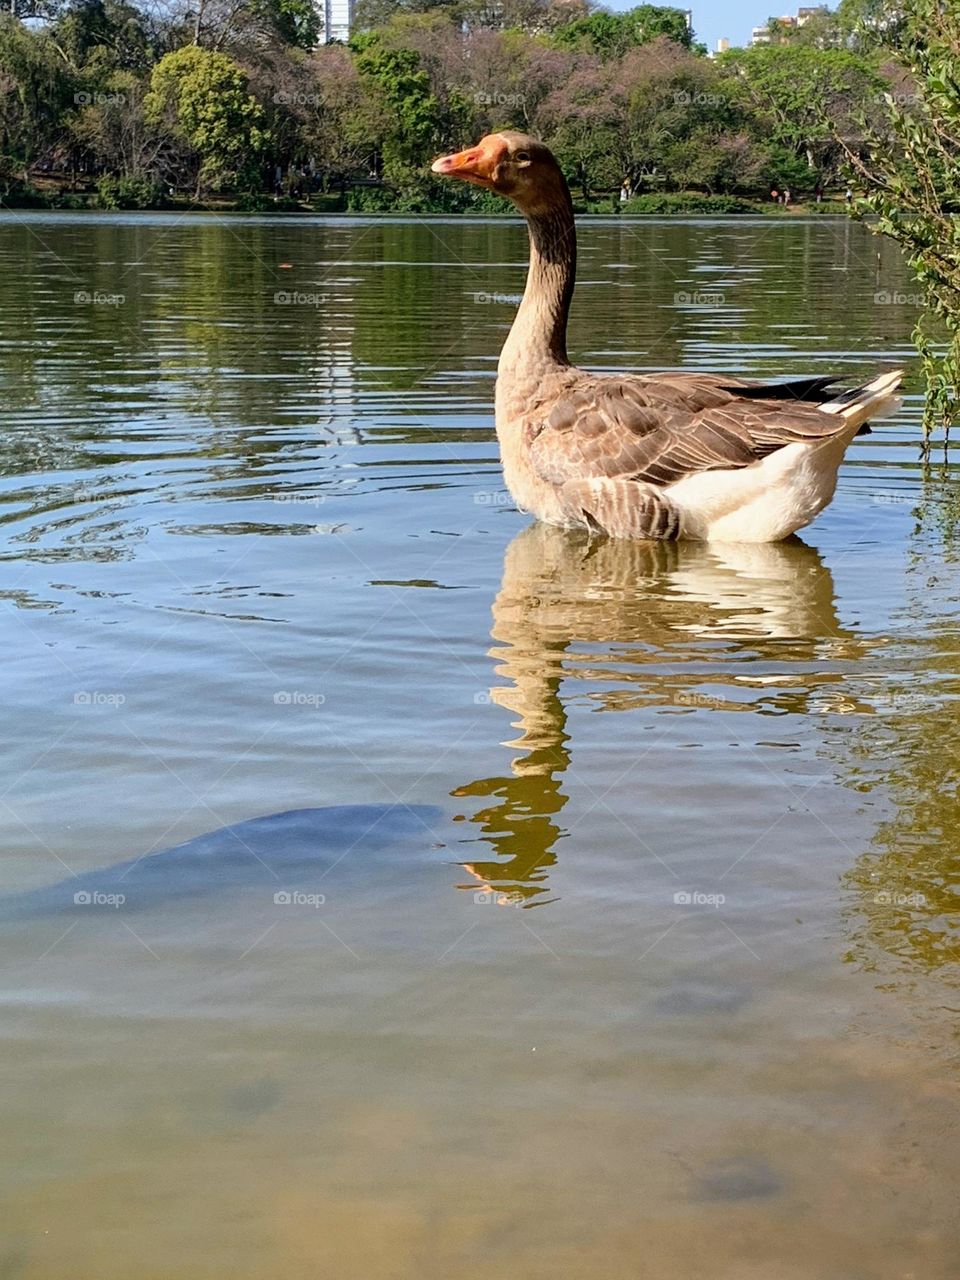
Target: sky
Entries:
(734, 19)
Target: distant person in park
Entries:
(787, 197)
(818, 194)
(625, 191)
(848, 196)
(775, 195)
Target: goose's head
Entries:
(513, 165)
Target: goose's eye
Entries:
(522, 157)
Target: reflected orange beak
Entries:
(477, 165)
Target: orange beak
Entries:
(477, 165)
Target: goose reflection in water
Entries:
(671, 625)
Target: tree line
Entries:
(149, 101)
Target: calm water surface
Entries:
(669, 989)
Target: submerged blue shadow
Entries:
(282, 850)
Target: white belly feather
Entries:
(764, 502)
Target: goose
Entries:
(646, 456)
(595, 618)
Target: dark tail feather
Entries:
(808, 390)
(854, 405)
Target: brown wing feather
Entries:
(622, 508)
(662, 428)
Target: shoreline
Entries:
(52, 196)
(306, 210)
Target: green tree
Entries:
(610, 35)
(32, 9)
(251, 27)
(806, 96)
(36, 91)
(870, 24)
(585, 120)
(529, 17)
(680, 114)
(223, 92)
(112, 127)
(819, 31)
(371, 15)
(201, 97)
(407, 117)
(293, 22)
(910, 172)
(100, 37)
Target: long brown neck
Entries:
(539, 333)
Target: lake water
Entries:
(669, 988)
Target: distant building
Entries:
(337, 20)
(723, 44)
(764, 35)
